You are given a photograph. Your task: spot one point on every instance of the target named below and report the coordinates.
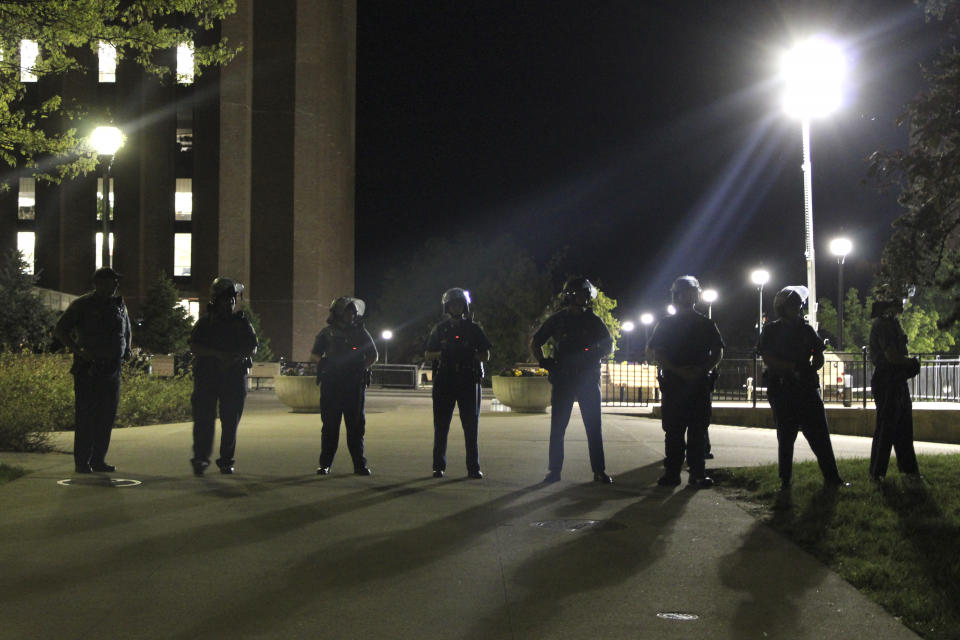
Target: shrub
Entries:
(36, 397)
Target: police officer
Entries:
(888, 352)
(687, 348)
(580, 341)
(344, 353)
(222, 342)
(457, 347)
(96, 328)
(793, 353)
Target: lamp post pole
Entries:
(386, 335)
(106, 141)
(759, 277)
(840, 247)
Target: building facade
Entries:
(245, 171)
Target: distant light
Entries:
(646, 318)
(760, 277)
(709, 295)
(628, 326)
(185, 63)
(387, 334)
(841, 246)
(813, 72)
(29, 52)
(107, 55)
(106, 140)
(672, 310)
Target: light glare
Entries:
(387, 334)
(627, 326)
(106, 140)
(840, 246)
(646, 318)
(760, 277)
(709, 295)
(813, 72)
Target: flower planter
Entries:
(524, 394)
(300, 393)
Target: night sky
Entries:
(647, 137)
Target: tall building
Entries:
(245, 171)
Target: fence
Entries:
(628, 384)
(400, 376)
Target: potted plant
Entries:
(296, 386)
(524, 388)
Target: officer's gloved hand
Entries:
(912, 367)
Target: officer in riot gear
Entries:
(222, 342)
(457, 347)
(579, 340)
(793, 354)
(96, 328)
(892, 368)
(687, 348)
(344, 352)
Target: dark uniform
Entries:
(581, 341)
(456, 382)
(892, 396)
(101, 327)
(220, 382)
(342, 376)
(795, 397)
(686, 339)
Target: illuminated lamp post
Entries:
(646, 319)
(812, 72)
(386, 335)
(759, 277)
(840, 247)
(106, 141)
(628, 328)
(709, 296)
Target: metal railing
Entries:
(397, 376)
(628, 384)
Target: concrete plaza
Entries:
(276, 551)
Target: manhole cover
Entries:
(112, 482)
(682, 617)
(566, 525)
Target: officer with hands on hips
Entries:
(893, 367)
(687, 348)
(580, 340)
(222, 342)
(457, 347)
(793, 354)
(344, 353)
(96, 328)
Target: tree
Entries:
(25, 322)
(165, 325)
(143, 31)
(856, 320)
(924, 250)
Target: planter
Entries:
(523, 394)
(300, 393)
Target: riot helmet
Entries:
(225, 286)
(685, 290)
(340, 311)
(578, 292)
(881, 307)
(789, 301)
(453, 295)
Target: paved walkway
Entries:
(278, 552)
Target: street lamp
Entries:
(759, 277)
(840, 247)
(646, 319)
(628, 328)
(813, 74)
(709, 296)
(106, 141)
(386, 335)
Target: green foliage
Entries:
(508, 288)
(925, 247)
(36, 397)
(25, 322)
(8, 473)
(898, 542)
(856, 320)
(144, 31)
(165, 325)
(264, 352)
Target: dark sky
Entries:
(646, 137)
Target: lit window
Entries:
(26, 244)
(27, 199)
(192, 306)
(185, 63)
(99, 249)
(183, 199)
(184, 139)
(107, 54)
(100, 198)
(181, 254)
(29, 52)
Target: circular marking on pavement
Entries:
(680, 617)
(113, 482)
(570, 525)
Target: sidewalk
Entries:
(278, 552)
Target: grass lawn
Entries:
(896, 542)
(8, 473)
